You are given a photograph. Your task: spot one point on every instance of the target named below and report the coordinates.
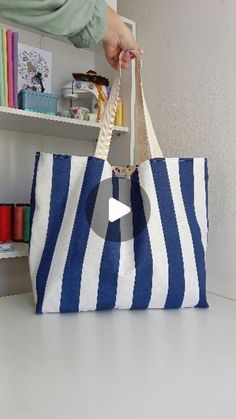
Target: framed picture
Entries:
(34, 68)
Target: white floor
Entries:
(118, 365)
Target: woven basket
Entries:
(37, 101)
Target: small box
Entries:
(37, 101)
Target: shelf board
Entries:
(57, 126)
(20, 250)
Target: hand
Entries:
(118, 38)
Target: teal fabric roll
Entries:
(26, 224)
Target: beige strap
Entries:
(105, 135)
(147, 144)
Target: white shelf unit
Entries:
(22, 133)
(19, 250)
(50, 125)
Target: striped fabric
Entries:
(73, 269)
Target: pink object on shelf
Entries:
(15, 38)
(10, 69)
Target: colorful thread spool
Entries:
(6, 222)
(18, 223)
(119, 112)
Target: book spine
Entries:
(4, 38)
(2, 89)
(15, 38)
(10, 68)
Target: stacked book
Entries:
(8, 68)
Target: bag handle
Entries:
(147, 144)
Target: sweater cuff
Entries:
(95, 30)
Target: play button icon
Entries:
(116, 210)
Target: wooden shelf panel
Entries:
(52, 125)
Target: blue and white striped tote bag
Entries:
(74, 269)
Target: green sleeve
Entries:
(84, 22)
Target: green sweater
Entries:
(84, 22)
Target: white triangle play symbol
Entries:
(117, 210)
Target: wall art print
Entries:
(34, 68)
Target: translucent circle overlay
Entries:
(129, 192)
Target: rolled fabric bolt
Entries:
(5, 222)
(18, 226)
(26, 223)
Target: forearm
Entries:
(84, 22)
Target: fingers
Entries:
(118, 38)
(125, 66)
(113, 48)
(127, 56)
(130, 55)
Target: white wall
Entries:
(190, 83)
